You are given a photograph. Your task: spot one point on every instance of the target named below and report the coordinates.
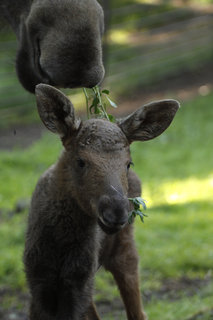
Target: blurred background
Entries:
(153, 49)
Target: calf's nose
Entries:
(113, 210)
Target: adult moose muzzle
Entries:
(59, 41)
(79, 210)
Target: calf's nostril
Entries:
(106, 216)
(114, 218)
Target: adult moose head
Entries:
(79, 210)
(59, 41)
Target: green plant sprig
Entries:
(97, 103)
(138, 204)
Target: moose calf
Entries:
(79, 213)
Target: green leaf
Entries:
(105, 91)
(142, 202)
(111, 118)
(95, 104)
(113, 104)
(97, 110)
(137, 203)
(130, 219)
(96, 101)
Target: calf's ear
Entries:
(55, 110)
(149, 121)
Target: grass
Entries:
(176, 239)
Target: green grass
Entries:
(11, 249)
(20, 169)
(176, 239)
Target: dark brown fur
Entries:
(59, 41)
(79, 211)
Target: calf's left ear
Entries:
(149, 121)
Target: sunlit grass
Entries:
(180, 191)
(119, 36)
(189, 190)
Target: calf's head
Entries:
(95, 164)
(60, 44)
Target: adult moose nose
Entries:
(113, 212)
(94, 76)
(89, 79)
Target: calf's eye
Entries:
(129, 165)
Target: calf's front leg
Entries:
(123, 261)
(92, 313)
(123, 264)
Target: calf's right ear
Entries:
(149, 121)
(55, 110)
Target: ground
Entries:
(171, 290)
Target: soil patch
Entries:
(174, 289)
(20, 136)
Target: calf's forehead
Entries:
(101, 136)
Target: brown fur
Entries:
(59, 41)
(79, 213)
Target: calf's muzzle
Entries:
(112, 212)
